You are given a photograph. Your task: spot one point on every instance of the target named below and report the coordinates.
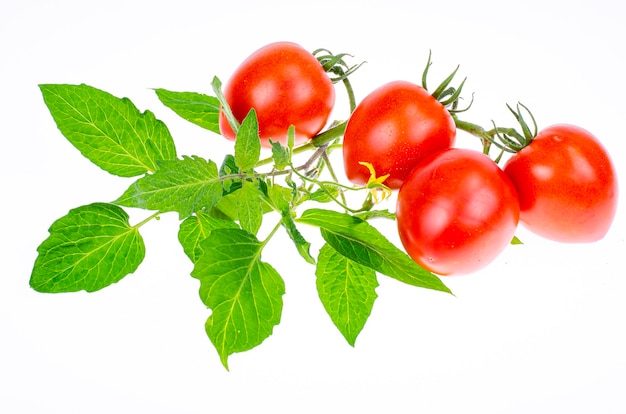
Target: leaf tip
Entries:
(224, 359)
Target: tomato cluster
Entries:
(457, 209)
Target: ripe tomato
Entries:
(393, 128)
(286, 85)
(567, 185)
(456, 212)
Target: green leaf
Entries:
(216, 84)
(244, 293)
(359, 241)
(109, 131)
(516, 241)
(183, 185)
(374, 214)
(321, 196)
(92, 247)
(248, 143)
(229, 167)
(249, 208)
(347, 291)
(226, 208)
(202, 110)
(280, 198)
(280, 155)
(302, 245)
(195, 229)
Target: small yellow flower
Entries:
(375, 184)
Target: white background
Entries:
(542, 330)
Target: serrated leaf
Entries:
(109, 131)
(182, 185)
(359, 241)
(91, 247)
(195, 229)
(248, 143)
(280, 155)
(244, 293)
(199, 109)
(249, 207)
(347, 291)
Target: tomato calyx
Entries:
(505, 139)
(509, 139)
(447, 95)
(335, 65)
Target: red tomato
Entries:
(286, 85)
(393, 128)
(567, 185)
(456, 212)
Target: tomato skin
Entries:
(286, 85)
(567, 185)
(456, 212)
(393, 128)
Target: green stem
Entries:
(508, 139)
(350, 91)
(269, 236)
(331, 171)
(485, 137)
(322, 185)
(153, 216)
(327, 136)
(316, 142)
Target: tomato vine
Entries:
(288, 174)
